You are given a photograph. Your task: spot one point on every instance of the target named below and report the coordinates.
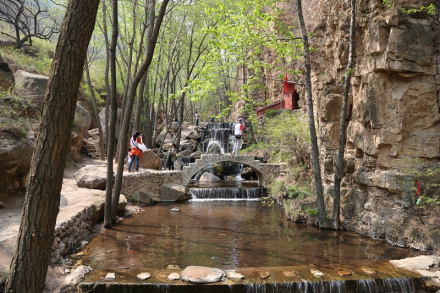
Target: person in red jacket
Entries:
(136, 152)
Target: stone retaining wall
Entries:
(145, 186)
(70, 232)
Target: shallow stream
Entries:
(244, 236)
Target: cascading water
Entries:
(216, 138)
(227, 193)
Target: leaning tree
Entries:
(42, 200)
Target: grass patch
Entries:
(39, 63)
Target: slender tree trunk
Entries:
(34, 245)
(95, 111)
(106, 76)
(313, 138)
(342, 121)
(108, 215)
(130, 99)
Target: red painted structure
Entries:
(287, 103)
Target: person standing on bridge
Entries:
(239, 135)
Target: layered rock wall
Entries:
(393, 112)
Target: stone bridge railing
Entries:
(265, 172)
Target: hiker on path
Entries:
(136, 152)
(197, 118)
(172, 155)
(239, 135)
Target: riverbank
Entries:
(80, 211)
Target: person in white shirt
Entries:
(197, 118)
(239, 135)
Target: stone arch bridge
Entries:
(265, 172)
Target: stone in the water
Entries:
(173, 267)
(175, 210)
(202, 275)
(290, 274)
(143, 276)
(1, 205)
(317, 273)
(174, 276)
(344, 273)
(368, 270)
(264, 274)
(234, 276)
(421, 262)
(110, 276)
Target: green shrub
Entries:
(271, 113)
(13, 115)
(289, 137)
(312, 212)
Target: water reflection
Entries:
(228, 235)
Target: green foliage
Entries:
(282, 190)
(271, 113)
(429, 175)
(430, 9)
(312, 212)
(13, 117)
(39, 64)
(289, 136)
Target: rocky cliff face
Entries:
(393, 112)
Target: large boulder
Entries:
(209, 177)
(6, 76)
(118, 121)
(189, 145)
(30, 85)
(173, 192)
(15, 160)
(202, 275)
(92, 177)
(150, 160)
(81, 125)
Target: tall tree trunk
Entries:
(95, 112)
(313, 138)
(129, 107)
(34, 245)
(108, 215)
(342, 121)
(106, 76)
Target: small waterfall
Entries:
(226, 193)
(215, 138)
(238, 177)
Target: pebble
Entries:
(264, 274)
(290, 274)
(143, 276)
(173, 267)
(110, 276)
(174, 276)
(234, 276)
(316, 273)
(368, 270)
(344, 273)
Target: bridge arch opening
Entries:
(225, 171)
(210, 159)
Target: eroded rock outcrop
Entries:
(393, 111)
(15, 161)
(6, 76)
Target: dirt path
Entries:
(72, 199)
